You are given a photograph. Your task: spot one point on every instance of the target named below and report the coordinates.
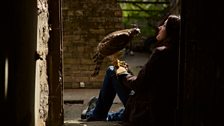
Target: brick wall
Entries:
(85, 23)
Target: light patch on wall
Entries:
(6, 77)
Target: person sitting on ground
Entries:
(98, 107)
(150, 98)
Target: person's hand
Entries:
(121, 71)
(118, 63)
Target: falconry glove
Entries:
(121, 67)
(121, 71)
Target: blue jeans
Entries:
(111, 86)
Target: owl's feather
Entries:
(112, 44)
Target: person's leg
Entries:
(110, 87)
(121, 90)
(106, 96)
(116, 116)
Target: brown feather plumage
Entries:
(111, 44)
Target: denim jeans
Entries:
(111, 86)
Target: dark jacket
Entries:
(154, 101)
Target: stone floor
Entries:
(75, 100)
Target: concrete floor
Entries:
(75, 100)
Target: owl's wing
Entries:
(113, 45)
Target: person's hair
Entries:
(173, 30)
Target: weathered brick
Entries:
(85, 23)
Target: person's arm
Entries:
(145, 75)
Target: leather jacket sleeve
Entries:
(150, 73)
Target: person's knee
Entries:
(111, 70)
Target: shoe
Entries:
(91, 105)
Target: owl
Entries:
(111, 45)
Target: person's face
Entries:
(162, 32)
